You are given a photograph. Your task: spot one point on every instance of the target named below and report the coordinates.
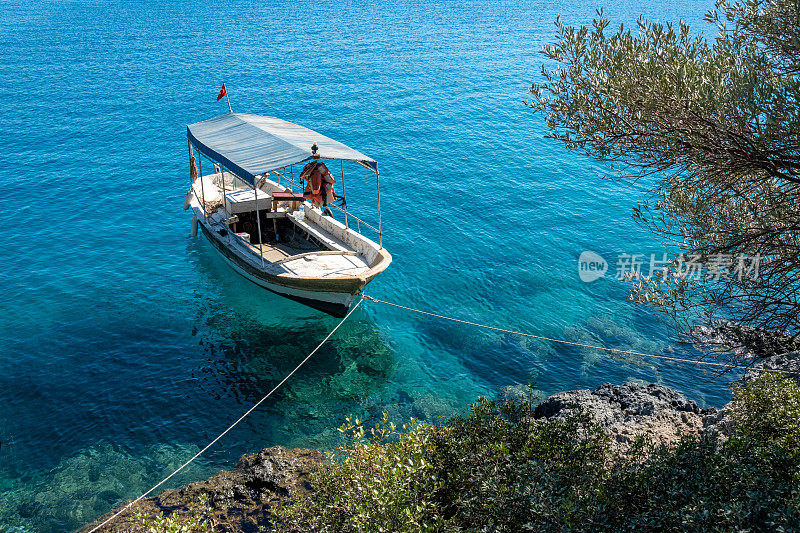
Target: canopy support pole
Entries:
(380, 227)
(224, 198)
(258, 221)
(225, 202)
(344, 195)
(202, 185)
(191, 156)
(200, 177)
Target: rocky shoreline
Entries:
(242, 498)
(631, 410)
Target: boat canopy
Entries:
(250, 145)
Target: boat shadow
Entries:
(250, 340)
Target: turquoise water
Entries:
(125, 344)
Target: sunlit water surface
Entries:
(125, 344)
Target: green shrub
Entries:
(705, 484)
(767, 411)
(384, 484)
(196, 520)
(478, 473)
(501, 470)
(497, 469)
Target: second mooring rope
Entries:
(571, 343)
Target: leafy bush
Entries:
(501, 470)
(702, 484)
(384, 484)
(496, 468)
(768, 411)
(195, 521)
(478, 473)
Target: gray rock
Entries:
(630, 410)
(744, 342)
(788, 362)
(240, 499)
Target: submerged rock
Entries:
(788, 364)
(237, 500)
(743, 342)
(630, 410)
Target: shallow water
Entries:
(125, 344)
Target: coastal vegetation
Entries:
(499, 468)
(197, 520)
(711, 126)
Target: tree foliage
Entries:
(714, 127)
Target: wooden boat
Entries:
(260, 211)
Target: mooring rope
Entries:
(436, 315)
(578, 344)
(198, 454)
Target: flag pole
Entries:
(228, 100)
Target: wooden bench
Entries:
(326, 238)
(287, 196)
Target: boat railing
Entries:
(288, 175)
(358, 220)
(347, 214)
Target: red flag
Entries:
(222, 92)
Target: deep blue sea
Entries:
(126, 344)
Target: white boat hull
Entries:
(331, 302)
(328, 276)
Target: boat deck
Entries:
(299, 258)
(322, 265)
(278, 251)
(312, 252)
